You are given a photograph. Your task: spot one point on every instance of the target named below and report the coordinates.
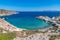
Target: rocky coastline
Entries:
(23, 34)
(4, 12)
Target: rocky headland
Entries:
(4, 12)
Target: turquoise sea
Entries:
(28, 20)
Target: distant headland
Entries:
(4, 12)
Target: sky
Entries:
(30, 5)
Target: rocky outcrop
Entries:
(7, 12)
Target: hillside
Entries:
(7, 12)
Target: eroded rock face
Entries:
(7, 12)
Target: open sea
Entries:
(28, 20)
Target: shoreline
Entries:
(9, 26)
(14, 28)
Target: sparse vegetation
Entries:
(55, 27)
(27, 32)
(54, 37)
(7, 36)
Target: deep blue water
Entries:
(27, 20)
